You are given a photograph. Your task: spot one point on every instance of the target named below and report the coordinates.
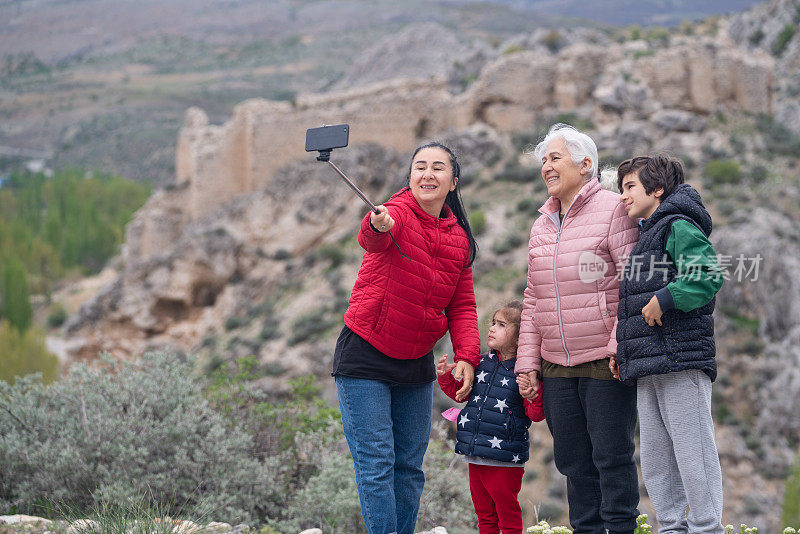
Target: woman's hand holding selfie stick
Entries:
(381, 220)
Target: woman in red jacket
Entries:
(415, 284)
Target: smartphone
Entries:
(327, 137)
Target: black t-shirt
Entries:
(356, 358)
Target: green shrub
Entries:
(282, 254)
(514, 172)
(782, 41)
(658, 35)
(758, 173)
(333, 253)
(528, 139)
(549, 510)
(446, 499)
(57, 316)
(718, 172)
(329, 499)
(234, 322)
(552, 40)
(513, 49)
(527, 206)
(270, 329)
(756, 37)
(574, 120)
(509, 242)
(310, 326)
(478, 222)
(780, 139)
(116, 431)
(790, 514)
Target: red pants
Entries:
(494, 495)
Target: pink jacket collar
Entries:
(553, 205)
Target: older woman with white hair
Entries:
(568, 333)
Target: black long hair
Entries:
(453, 199)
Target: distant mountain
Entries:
(104, 84)
(625, 12)
(55, 30)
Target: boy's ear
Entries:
(658, 193)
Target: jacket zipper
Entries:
(434, 255)
(555, 281)
(480, 408)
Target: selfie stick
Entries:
(325, 155)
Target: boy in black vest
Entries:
(665, 342)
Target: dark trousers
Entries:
(494, 495)
(593, 423)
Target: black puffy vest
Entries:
(493, 423)
(686, 339)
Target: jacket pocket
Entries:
(607, 316)
(511, 426)
(383, 313)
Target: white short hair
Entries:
(579, 144)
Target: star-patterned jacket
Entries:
(494, 423)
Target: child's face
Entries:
(638, 203)
(503, 335)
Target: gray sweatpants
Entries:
(680, 464)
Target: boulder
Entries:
(675, 120)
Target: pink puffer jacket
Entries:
(569, 312)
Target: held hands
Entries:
(381, 221)
(443, 367)
(464, 373)
(528, 385)
(652, 312)
(613, 366)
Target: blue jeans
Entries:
(593, 423)
(387, 427)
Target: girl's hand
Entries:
(613, 366)
(652, 312)
(381, 221)
(443, 367)
(528, 385)
(465, 372)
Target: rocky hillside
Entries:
(772, 27)
(108, 86)
(252, 251)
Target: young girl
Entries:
(492, 429)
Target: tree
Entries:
(15, 293)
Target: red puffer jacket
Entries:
(403, 305)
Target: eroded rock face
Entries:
(233, 256)
(762, 28)
(613, 81)
(419, 51)
(763, 292)
(239, 199)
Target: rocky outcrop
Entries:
(774, 27)
(763, 291)
(239, 200)
(234, 256)
(419, 51)
(612, 82)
